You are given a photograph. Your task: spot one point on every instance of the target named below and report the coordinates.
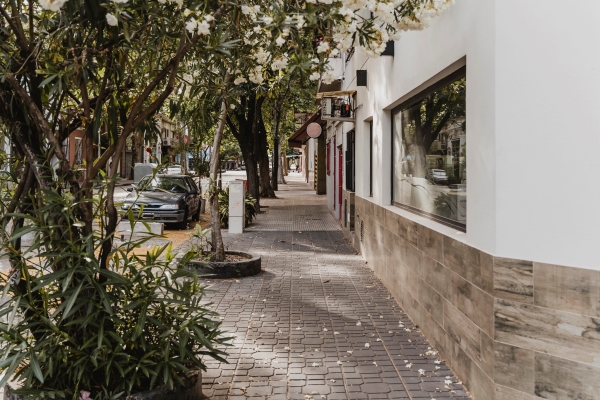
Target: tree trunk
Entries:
(280, 173)
(262, 155)
(217, 239)
(252, 175)
(275, 176)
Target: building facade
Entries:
(467, 181)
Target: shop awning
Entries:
(300, 136)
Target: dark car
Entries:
(170, 199)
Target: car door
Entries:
(194, 198)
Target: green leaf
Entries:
(35, 366)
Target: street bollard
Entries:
(237, 218)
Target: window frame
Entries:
(370, 158)
(456, 75)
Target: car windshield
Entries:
(175, 185)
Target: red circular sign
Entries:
(313, 130)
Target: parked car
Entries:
(437, 176)
(170, 199)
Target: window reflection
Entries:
(429, 135)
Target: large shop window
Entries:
(429, 153)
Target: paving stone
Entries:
(313, 280)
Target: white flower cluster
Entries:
(251, 11)
(203, 27)
(52, 5)
(256, 75)
(388, 22)
(280, 63)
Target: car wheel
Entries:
(183, 224)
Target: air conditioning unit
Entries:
(166, 142)
(337, 108)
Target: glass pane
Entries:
(429, 145)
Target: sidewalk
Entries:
(316, 323)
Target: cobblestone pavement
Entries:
(317, 323)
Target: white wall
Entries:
(533, 122)
(548, 131)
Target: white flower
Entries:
(279, 41)
(324, 329)
(120, 1)
(239, 80)
(287, 348)
(334, 53)
(52, 5)
(203, 28)
(261, 56)
(448, 382)
(408, 365)
(336, 333)
(162, 1)
(179, 3)
(279, 63)
(111, 19)
(246, 10)
(267, 20)
(186, 12)
(437, 362)
(315, 364)
(191, 25)
(358, 323)
(285, 32)
(339, 362)
(256, 29)
(421, 372)
(323, 47)
(209, 18)
(300, 21)
(328, 78)
(367, 345)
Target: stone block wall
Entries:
(509, 329)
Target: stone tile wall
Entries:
(510, 329)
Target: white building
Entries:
(507, 285)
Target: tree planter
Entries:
(251, 265)
(192, 391)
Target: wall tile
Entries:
(437, 336)
(559, 333)
(454, 255)
(462, 330)
(514, 367)
(486, 361)
(409, 280)
(437, 276)
(406, 229)
(479, 269)
(513, 279)
(569, 289)
(480, 385)
(505, 393)
(474, 303)
(431, 301)
(559, 379)
(413, 257)
(431, 243)
(378, 214)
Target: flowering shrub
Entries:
(71, 329)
